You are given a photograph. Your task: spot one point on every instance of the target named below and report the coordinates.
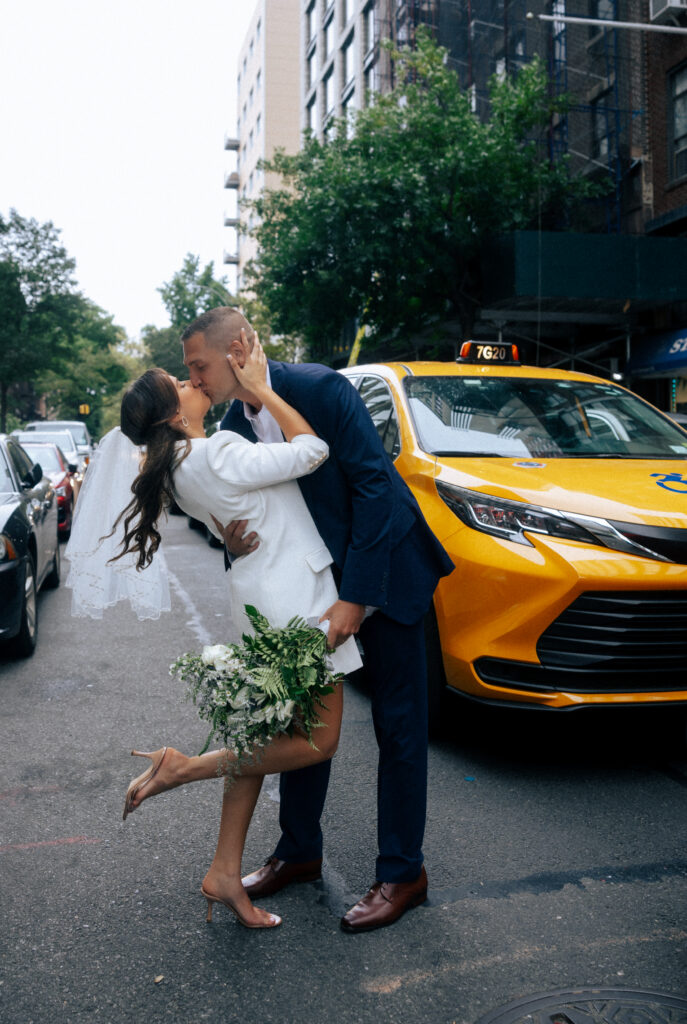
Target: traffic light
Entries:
(84, 409)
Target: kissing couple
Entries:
(318, 523)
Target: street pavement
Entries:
(555, 847)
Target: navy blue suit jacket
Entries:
(386, 554)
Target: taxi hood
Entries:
(649, 491)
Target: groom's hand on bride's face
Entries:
(234, 535)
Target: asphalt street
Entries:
(555, 847)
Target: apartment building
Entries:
(268, 115)
(340, 66)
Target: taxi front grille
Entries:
(605, 642)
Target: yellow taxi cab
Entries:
(562, 499)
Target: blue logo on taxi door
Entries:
(672, 482)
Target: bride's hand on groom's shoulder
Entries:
(251, 372)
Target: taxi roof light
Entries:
(499, 353)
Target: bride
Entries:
(216, 480)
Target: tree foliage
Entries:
(383, 222)
(193, 291)
(190, 292)
(54, 343)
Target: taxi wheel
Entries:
(436, 677)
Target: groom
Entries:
(385, 558)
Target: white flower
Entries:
(284, 710)
(221, 657)
(240, 699)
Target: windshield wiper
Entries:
(466, 455)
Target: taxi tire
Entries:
(436, 676)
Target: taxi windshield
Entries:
(530, 417)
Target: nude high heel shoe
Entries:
(274, 919)
(157, 757)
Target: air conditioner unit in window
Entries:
(666, 10)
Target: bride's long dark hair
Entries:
(147, 407)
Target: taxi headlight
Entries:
(510, 519)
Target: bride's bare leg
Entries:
(223, 878)
(283, 754)
(240, 797)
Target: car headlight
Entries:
(7, 552)
(509, 519)
(513, 519)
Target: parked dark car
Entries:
(62, 475)
(29, 546)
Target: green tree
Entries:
(12, 318)
(193, 291)
(190, 292)
(285, 349)
(53, 341)
(163, 348)
(35, 333)
(94, 372)
(383, 222)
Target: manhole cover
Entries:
(592, 1006)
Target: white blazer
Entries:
(288, 574)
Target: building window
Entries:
(328, 37)
(602, 10)
(369, 28)
(257, 31)
(312, 69)
(348, 11)
(348, 54)
(677, 124)
(600, 128)
(258, 125)
(258, 81)
(348, 108)
(311, 116)
(329, 94)
(370, 83)
(310, 22)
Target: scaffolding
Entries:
(603, 132)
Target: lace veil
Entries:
(105, 492)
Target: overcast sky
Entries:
(112, 120)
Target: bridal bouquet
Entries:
(269, 683)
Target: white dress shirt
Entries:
(263, 422)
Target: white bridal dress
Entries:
(289, 572)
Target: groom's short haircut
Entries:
(219, 326)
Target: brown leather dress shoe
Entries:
(276, 874)
(385, 903)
